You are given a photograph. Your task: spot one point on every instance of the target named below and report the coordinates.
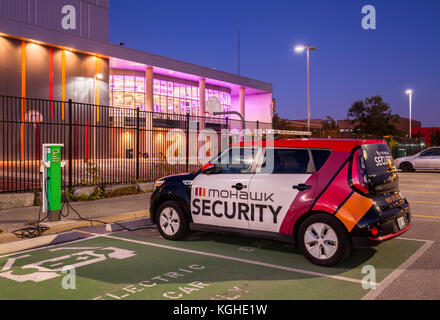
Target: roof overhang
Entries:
(123, 55)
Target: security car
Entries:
(324, 195)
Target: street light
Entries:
(301, 49)
(409, 92)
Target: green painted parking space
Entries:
(140, 265)
(385, 258)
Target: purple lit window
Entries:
(129, 84)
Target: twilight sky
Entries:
(350, 64)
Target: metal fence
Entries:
(103, 145)
(408, 147)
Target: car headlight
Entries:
(157, 184)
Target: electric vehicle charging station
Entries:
(51, 180)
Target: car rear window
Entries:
(320, 157)
(378, 158)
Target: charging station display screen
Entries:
(56, 155)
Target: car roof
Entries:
(340, 145)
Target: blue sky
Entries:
(350, 64)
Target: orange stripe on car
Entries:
(353, 210)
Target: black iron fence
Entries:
(103, 145)
(408, 147)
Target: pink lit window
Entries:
(140, 84)
(156, 86)
(163, 88)
(118, 84)
(129, 84)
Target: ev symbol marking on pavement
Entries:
(52, 268)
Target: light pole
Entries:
(308, 49)
(409, 92)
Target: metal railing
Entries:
(103, 145)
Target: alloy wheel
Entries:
(321, 241)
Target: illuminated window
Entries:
(140, 84)
(224, 97)
(129, 84)
(171, 97)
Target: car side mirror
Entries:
(211, 168)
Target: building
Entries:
(426, 132)
(316, 124)
(60, 50)
(402, 125)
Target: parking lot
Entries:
(142, 265)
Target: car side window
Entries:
(436, 152)
(320, 157)
(236, 160)
(285, 161)
(428, 153)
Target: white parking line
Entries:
(258, 263)
(373, 294)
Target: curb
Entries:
(10, 237)
(130, 224)
(27, 244)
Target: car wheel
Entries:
(323, 240)
(406, 167)
(171, 221)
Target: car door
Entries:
(220, 199)
(424, 160)
(282, 175)
(435, 162)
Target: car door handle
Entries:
(239, 186)
(302, 187)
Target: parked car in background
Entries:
(428, 159)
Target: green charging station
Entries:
(51, 180)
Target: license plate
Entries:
(401, 223)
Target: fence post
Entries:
(187, 142)
(137, 144)
(70, 104)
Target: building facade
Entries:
(59, 50)
(39, 58)
(426, 133)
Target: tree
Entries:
(373, 116)
(279, 123)
(418, 135)
(435, 138)
(329, 124)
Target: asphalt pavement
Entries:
(421, 280)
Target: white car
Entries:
(428, 159)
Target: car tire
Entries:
(171, 221)
(406, 167)
(324, 240)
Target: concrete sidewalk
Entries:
(107, 210)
